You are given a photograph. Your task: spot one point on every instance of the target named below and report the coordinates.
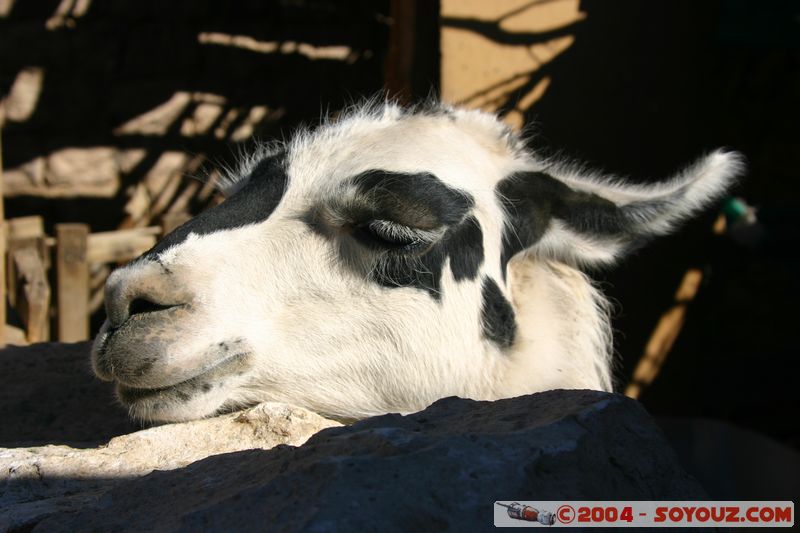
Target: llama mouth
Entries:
(100, 343)
(119, 347)
(203, 382)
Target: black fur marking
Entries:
(533, 199)
(253, 203)
(462, 243)
(416, 200)
(464, 247)
(419, 202)
(497, 316)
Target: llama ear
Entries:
(585, 220)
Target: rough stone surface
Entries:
(438, 469)
(50, 396)
(41, 480)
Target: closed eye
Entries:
(390, 235)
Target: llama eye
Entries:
(390, 234)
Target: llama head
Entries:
(379, 263)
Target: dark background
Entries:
(646, 88)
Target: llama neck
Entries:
(564, 334)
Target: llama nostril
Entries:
(142, 305)
(138, 290)
(128, 295)
(120, 310)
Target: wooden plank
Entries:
(98, 274)
(33, 294)
(170, 221)
(210, 186)
(15, 336)
(23, 232)
(118, 246)
(72, 275)
(664, 335)
(181, 203)
(161, 202)
(155, 190)
(122, 245)
(23, 228)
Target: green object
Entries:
(734, 209)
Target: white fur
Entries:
(323, 336)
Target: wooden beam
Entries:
(181, 203)
(400, 59)
(23, 232)
(33, 294)
(98, 274)
(72, 271)
(170, 221)
(121, 245)
(664, 335)
(22, 228)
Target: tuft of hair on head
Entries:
(233, 178)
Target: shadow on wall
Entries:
(500, 56)
(642, 89)
(118, 100)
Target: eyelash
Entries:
(392, 235)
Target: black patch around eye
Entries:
(463, 244)
(418, 200)
(498, 321)
(253, 203)
(533, 199)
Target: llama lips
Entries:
(150, 350)
(183, 391)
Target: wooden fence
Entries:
(55, 283)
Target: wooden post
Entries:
(399, 60)
(33, 294)
(23, 232)
(72, 271)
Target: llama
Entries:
(381, 262)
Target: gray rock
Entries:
(442, 468)
(50, 396)
(39, 481)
